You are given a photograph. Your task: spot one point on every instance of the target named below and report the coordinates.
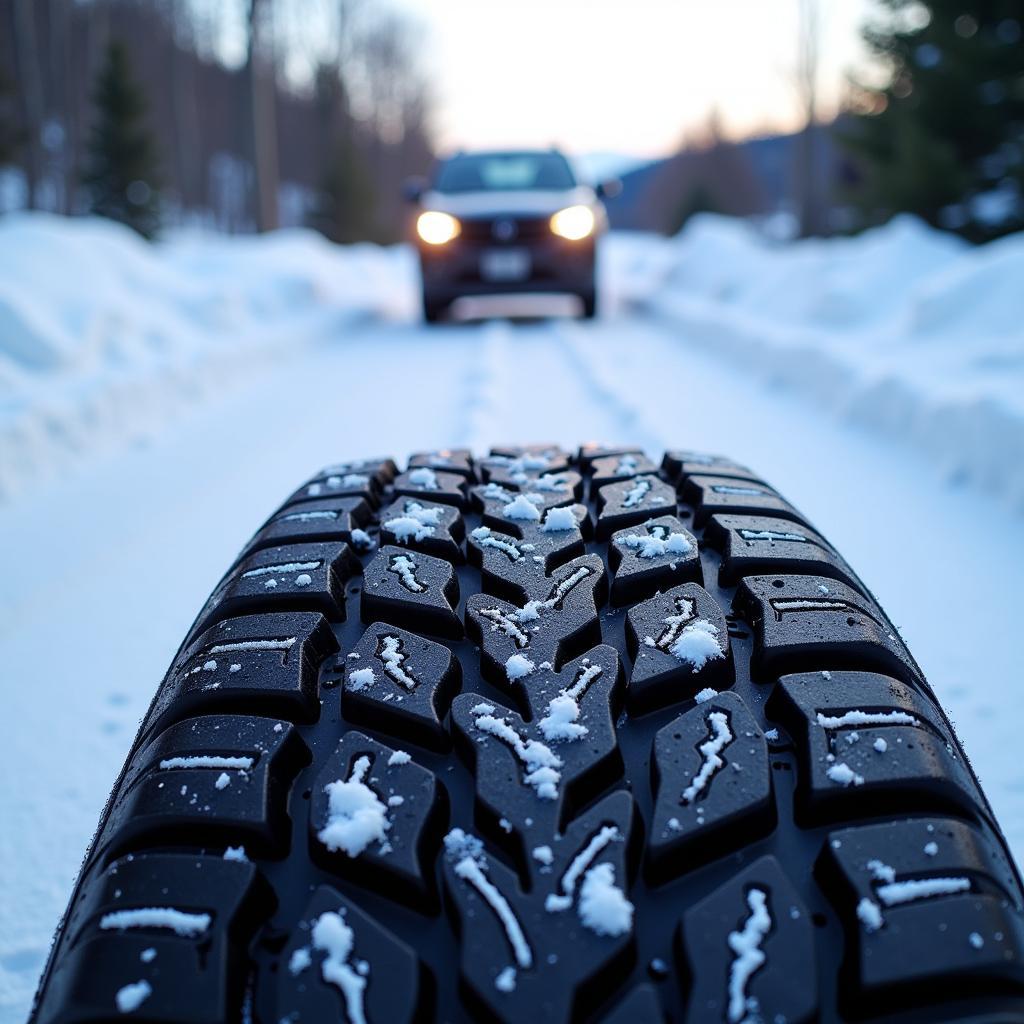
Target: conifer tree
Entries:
(944, 137)
(122, 163)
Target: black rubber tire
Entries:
(736, 798)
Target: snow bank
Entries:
(903, 329)
(103, 337)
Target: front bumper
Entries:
(556, 265)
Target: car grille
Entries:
(506, 230)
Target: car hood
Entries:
(494, 204)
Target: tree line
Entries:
(238, 114)
(251, 114)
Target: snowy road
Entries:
(107, 566)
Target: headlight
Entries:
(574, 222)
(436, 228)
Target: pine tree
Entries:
(122, 166)
(944, 138)
(345, 206)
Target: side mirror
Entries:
(413, 189)
(608, 189)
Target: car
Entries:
(507, 222)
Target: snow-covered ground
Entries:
(156, 404)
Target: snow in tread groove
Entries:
(720, 736)
(178, 921)
(207, 761)
(485, 537)
(540, 764)
(469, 865)
(336, 939)
(392, 657)
(748, 955)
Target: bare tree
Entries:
(807, 178)
(260, 87)
(30, 91)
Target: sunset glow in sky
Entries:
(628, 76)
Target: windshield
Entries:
(493, 172)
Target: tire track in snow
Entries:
(584, 349)
(480, 412)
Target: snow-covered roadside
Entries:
(104, 338)
(904, 330)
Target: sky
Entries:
(633, 77)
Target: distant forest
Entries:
(261, 113)
(247, 115)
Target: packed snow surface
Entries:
(159, 402)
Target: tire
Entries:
(588, 300)
(363, 789)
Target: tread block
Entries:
(559, 621)
(814, 622)
(406, 588)
(613, 469)
(679, 643)
(428, 526)
(514, 567)
(714, 495)
(340, 965)
(365, 479)
(513, 512)
(589, 452)
(931, 910)
(632, 502)
(750, 950)
(870, 743)
(655, 555)
(413, 681)
(434, 485)
(546, 953)
(159, 919)
(267, 663)
(564, 484)
(299, 577)
(712, 783)
(446, 460)
(374, 818)
(530, 461)
(679, 465)
(528, 772)
(220, 780)
(758, 545)
(329, 521)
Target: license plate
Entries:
(505, 265)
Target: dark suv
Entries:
(499, 222)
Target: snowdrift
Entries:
(903, 329)
(104, 337)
